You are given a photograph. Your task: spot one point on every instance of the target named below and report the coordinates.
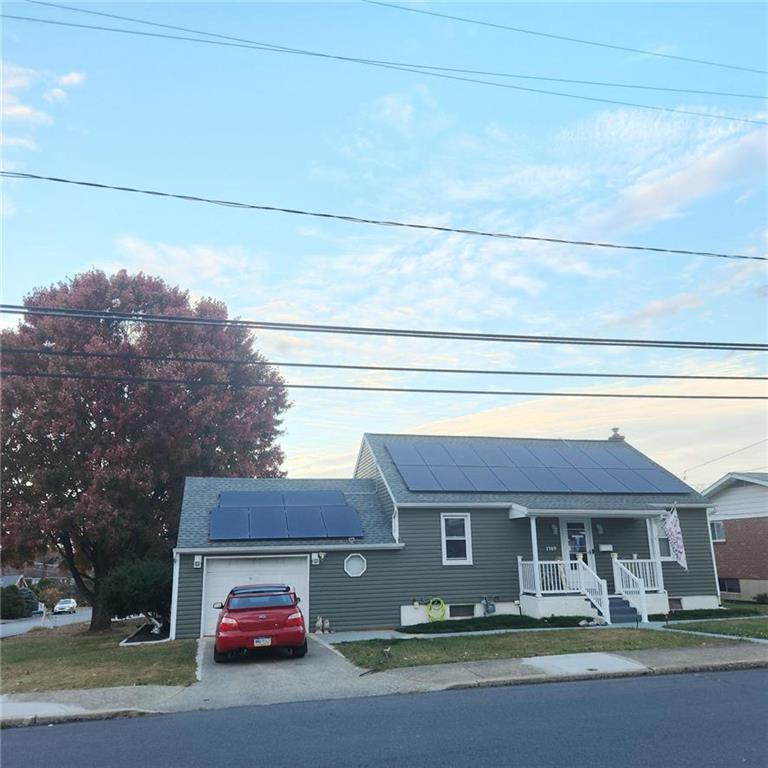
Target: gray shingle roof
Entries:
(201, 495)
(554, 501)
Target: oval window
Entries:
(355, 565)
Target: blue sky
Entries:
(300, 132)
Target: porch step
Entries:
(621, 611)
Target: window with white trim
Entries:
(456, 538)
(717, 529)
(661, 541)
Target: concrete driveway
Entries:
(274, 677)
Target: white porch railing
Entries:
(630, 587)
(648, 570)
(564, 577)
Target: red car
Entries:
(259, 616)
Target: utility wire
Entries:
(139, 317)
(130, 357)
(443, 75)
(381, 222)
(565, 38)
(725, 455)
(359, 60)
(351, 388)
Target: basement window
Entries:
(456, 539)
(461, 611)
(729, 585)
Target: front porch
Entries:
(612, 563)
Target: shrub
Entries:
(13, 605)
(705, 613)
(762, 598)
(140, 587)
(51, 595)
(496, 621)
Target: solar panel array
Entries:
(530, 467)
(248, 515)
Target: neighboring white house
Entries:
(739, 527)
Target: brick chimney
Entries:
(616, 434)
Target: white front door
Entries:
(576, 539)
(223, 573)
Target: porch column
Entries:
(535, 549)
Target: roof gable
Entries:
(732, 478)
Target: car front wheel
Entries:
(300, 650)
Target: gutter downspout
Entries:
(174, 594)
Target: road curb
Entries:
(74, 717)
(648, 672)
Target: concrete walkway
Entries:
(325, 674)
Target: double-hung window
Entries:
(717, 528)
(661, 540)
(456, 538)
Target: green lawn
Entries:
(72, 657)
(388, 654)
(744, 627)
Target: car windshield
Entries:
(259, 601)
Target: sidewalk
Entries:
(326, 674)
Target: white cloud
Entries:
(55, 94)
(14, 109)
(71, 79)
(19, 142)
(658, 308)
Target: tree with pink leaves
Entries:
(95, 469)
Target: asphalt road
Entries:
(19, 627)
(687, 721)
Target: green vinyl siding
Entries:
(366, 468)
(189, 598)
(700, 578)
(396, 578)
(629, 537)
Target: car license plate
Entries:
(261, 641)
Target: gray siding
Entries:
(700, 578)
(628, 536)
(190, 597)
(366, 468)
(396, 578)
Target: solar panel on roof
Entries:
(463, 455)
(493, 456)
(574, 479)
(435, 454)
(514, 479)
(250, 498)
(548, 456)
(536, 466)
(483, 479)
(228, 524)
(404, 453)
(342, 522)
(544, 480)
(576, 456)
(451, 479)
(305, 523)
(520, 456)
(419, 478)
(635, 482)
(268, 523)
(312, 498)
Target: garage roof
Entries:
(201, 494)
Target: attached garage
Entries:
(220, 574)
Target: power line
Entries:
(726, 455)
(138, 317)
(380, 222)
(352, 388)
(129, 357)
(429, 73)
(270, 47)
(565, 38)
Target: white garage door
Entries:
(223, 573)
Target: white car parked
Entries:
(67, 605)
